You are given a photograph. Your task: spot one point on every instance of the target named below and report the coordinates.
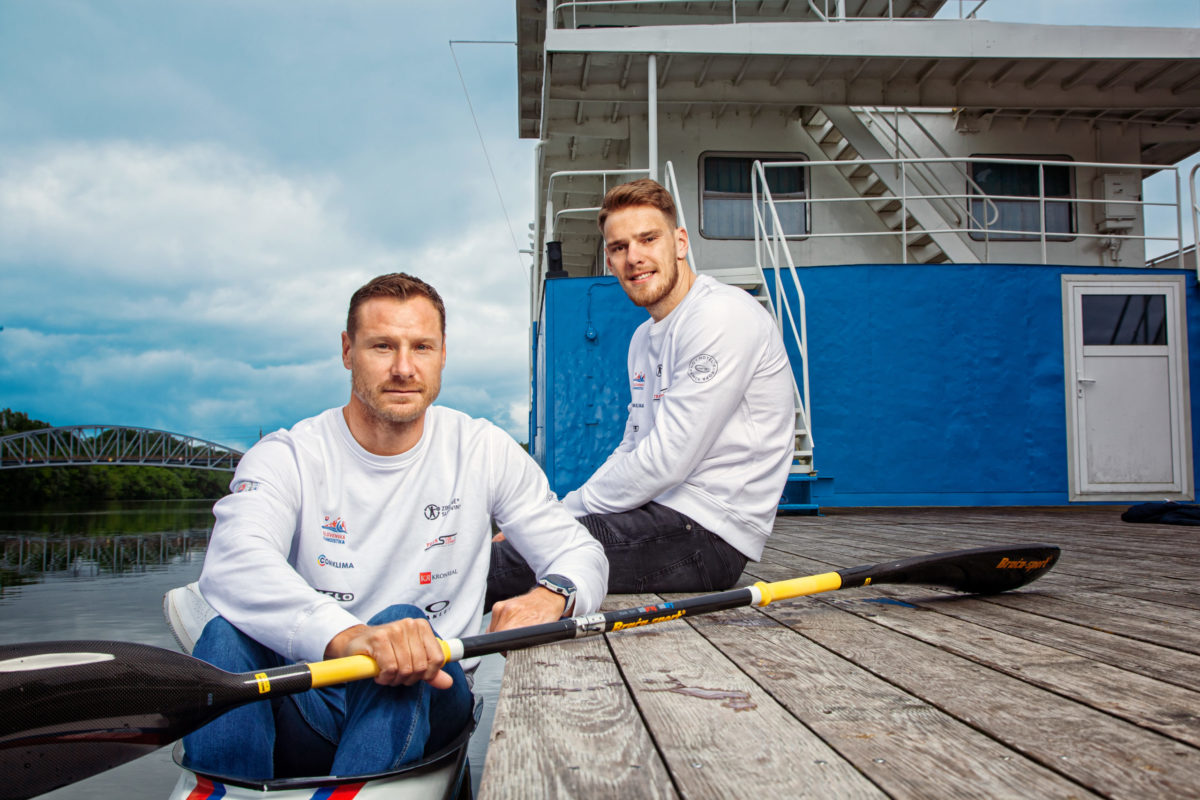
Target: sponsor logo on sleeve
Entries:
(245, 486)
(639, 381)
(702, 368)
(341, 597)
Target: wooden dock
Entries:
(1083, 684)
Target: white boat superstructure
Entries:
(860, 132)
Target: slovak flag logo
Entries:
(334, 525)
(426, 578)
(639, 380)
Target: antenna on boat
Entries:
(482, 144)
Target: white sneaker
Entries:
(187, 613)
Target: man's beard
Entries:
(372, 400)
(655, 296)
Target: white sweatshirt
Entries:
(711, 422)
(318, 534)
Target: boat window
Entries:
(1004, 218)
(1124, 319)
(725, 206)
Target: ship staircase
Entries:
(925, 216)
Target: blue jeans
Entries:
(652, 548)
(357, 728)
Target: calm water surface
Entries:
(100, 573)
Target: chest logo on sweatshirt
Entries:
(325, 561)
(334, 530)
(442, 541)
(429, 577)
(433, 510)
(702, 368)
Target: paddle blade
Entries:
(984, 570)
(74, 709)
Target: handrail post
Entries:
(1042, 207)
(1195, 224)
(652, 112)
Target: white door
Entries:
(1128, 427)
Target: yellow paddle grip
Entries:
(798, 587)
(341, 670)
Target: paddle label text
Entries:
(620, 626)
(1022, 563)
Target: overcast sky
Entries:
(190, 191)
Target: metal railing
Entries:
(552, 217)
(980, 228)
(790, 321)
(935, 184)
(566, 13)
(1195, 221)
(672, 186)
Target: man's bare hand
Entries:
(405, 650)
(532, 608)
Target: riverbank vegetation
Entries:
(40, 485)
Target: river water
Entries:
(100, 573)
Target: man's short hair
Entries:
(396, 285)
(642, 192)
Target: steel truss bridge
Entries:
(112, 444)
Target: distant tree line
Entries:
(41, 485)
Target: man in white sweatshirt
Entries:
(691, 492)
(359, 531)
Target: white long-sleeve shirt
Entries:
(710, 431)
(318, 534)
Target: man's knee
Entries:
(223, 645)
(393, 613)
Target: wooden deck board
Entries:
(1083, 684)
(729, 737)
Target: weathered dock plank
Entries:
(1084, 684)
(727, 736)
(905, 745)
(565, 726)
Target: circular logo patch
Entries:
(702, 368)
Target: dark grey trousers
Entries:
(650, 549)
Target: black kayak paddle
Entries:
(74, 709)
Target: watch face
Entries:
(558, 583)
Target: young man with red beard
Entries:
(691, 492)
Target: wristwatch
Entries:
(563, 586)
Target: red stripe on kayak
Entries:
(343, 792)
(206, 790)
